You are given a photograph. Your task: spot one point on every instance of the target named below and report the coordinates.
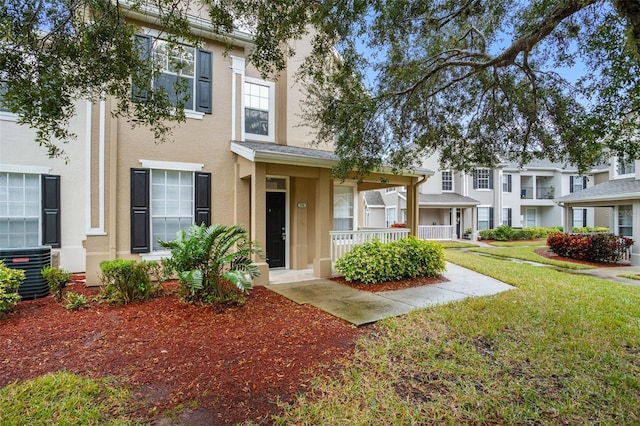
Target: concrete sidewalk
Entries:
(362, 307)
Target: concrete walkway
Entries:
(362, 307)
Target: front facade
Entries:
(241, 157)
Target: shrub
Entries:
(506, 233)
(10, 281)
(594, 247)
(126, 281)
(75, 301)
(589, 229)
(374, 262)
(57, 279)
(213, 264)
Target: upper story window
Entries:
(390, 190)
(447, 180)
(185, 74)
(483, 179)
(259, 107)
(577, 183)
(507, 180)
(625, 166)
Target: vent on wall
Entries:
(31, 260)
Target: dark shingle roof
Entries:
(617, 189)
(447, 199)
(373, 199)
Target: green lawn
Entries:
(528, 253)
(457, 244)
(561, 349)
(64, 399)
(527, 243)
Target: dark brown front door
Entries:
(276, 229)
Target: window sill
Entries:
(155, 256)
(196, 115)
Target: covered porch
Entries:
(289, 201)
(448, 209)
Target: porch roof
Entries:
(611, 190)
(269, 152)
(447, 199)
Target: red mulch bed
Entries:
(235, 363)
(551, 255)
(391, 285)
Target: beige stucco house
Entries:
(240, 158)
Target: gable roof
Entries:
(373, 199)
(447, 199)
(611, 190)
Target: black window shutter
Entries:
(51, 235)
(509, 216)
(475, 179)
(143, 45)
(204, 79)
(203, 199)
(490, 179)
(140, 211)
(490, 217)
(584, 183)
(509, 188)
(571, 183)
(584, 217)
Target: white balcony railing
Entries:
(436, 232)
(343, 241)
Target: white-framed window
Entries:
(19, 209)
(172, 209)
(447, 180)
(625, 166)
(578, 183)
(506, 216)
(625, 220)
(403, 215)
(531, 218)
(507, 182)
(259, 109)
(390, 190)
(343, 208)
(483, 179)
(390, 216)
(484, 218)
(177, 64)
(579, 218)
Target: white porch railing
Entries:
(436, 232)
(343, 241)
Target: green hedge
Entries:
(375, 262)
(507, 233)
(10, 280)
(588, 229)
(126, 281)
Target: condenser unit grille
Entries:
(31, 260)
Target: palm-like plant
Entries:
(208, 259)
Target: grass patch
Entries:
(561, 349)
(528, 253)
(64, 398)
(526, 243)
(456, 244)
(630, 276)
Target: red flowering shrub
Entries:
(601, 247)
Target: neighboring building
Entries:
(43, 200)
(618, 198)
(507, 195)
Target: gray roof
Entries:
(546, 164)
(447, 199)
(270, 152)
(373, 199)
(611, 190)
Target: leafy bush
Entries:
(588, 229)
(75, 301)
(126, 281)
(594, 247)
(506, 233)
(375, 262)
(57, 279)
(213, 264)
(10, 280)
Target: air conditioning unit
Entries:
(31, 260)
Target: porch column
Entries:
(413, 213)
(474, 223)
(323, 224)
(454, 223)
(567, 216)
(259, 219)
